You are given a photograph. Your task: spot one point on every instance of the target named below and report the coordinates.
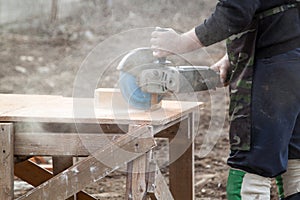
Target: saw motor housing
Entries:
(177, 79)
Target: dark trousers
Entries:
(275, 112)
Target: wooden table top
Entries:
(58, 109)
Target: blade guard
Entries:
(130, 67)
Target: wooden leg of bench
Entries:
(6, 161)
(145, 180)
(61, 163)
(182, 158)
(136, 179)
(157, 187)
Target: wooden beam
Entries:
(60, 144)
(34, 175)
(6, 161)
(181, 168)
(125, 149)
(31, 173)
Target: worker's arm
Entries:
(230, 17)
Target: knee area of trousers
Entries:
(291, 181)
(243, 186)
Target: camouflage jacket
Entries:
(241, 51)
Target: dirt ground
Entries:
(44, 58)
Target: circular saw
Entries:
(144, 80)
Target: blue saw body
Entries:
(132, 93)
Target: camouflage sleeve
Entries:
(229, 17)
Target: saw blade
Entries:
(133, 94)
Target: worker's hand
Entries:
(222, 66)
(166, 41)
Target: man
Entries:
(262, 66)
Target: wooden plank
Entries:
(35, 175)
(54, 144)
(11, 102)
(70, 128)
(95, 167)
(182, 161)
(66, 110)
(6, 161)
(157, 187)
(109, 98)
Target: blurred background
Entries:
(43, 42)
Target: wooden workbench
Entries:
(105, 131)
